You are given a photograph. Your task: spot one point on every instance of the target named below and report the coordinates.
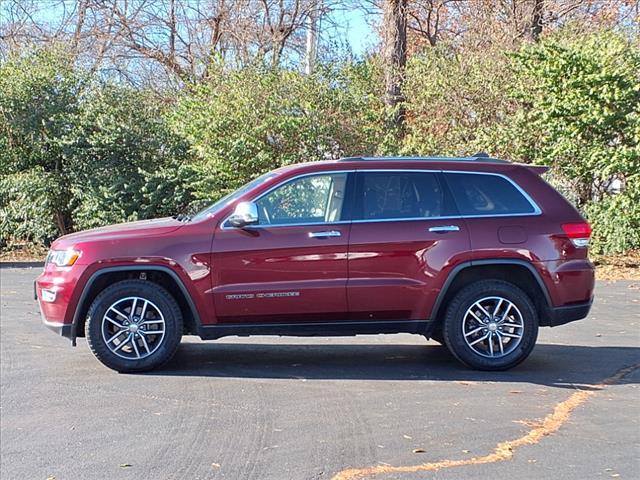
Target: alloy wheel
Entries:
(493, 327)
(133, 328)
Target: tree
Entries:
(39, 98)
(162, 42)
(394, 53)
(77, 153)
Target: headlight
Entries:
(63, 258)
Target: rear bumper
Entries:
(565, 314)
(62, 329)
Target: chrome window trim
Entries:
(537, 211)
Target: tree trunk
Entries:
(394, 31)
(312, 39)
(536, 20)
(82, 13)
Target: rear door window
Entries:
(480, 194)
(389, 195)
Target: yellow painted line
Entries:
(504, 450)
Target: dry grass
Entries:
(624, 266)
(23, 253)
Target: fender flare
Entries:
(484, 262)
(129, 268)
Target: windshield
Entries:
(211, 209)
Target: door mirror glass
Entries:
(245, 213)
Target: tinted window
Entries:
(309, 199)
(480, 194)
(389, 195)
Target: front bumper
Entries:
(63, 329)
(54, 291)
(567, 313)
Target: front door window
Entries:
(310, 199)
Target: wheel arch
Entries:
(158, 274)
(517, 272)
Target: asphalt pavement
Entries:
(382, 407)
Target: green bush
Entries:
(243, 123)
(128, 159)
(27, 211)
(450, 98)
(577, 102)
(40, 94)
(616, 222)
(77, 153)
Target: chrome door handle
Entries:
(330, 233)
(445, 228)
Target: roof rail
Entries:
(478, 157)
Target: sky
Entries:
(355, 27)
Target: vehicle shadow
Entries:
(563, 366)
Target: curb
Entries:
(21, 265)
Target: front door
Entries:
(292, 266)
(405, 231)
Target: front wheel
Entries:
(491, 325)
(134, 326)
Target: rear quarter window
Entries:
(486, 194)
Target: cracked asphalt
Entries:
(295, 408)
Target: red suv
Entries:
(475, 253)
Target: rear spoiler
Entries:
(539, 169)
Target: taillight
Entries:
(579, 233)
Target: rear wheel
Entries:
(133, 326)
(491, 325)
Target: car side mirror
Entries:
(245, 213)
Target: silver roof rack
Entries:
(478, 157)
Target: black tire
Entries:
(161, 351)
(464, 300)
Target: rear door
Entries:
(405, 233)
(292, 266)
